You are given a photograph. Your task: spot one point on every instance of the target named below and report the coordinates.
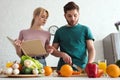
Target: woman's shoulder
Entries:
(47, 32)
(24, 30)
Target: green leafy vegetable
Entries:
(35, 64)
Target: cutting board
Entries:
(24, 76)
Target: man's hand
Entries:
(66, 58)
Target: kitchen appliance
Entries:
(111, 45)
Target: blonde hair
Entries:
(38, 11)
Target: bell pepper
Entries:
(91, 70)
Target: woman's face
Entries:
(41, 18)
(72, 17)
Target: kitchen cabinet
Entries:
(111, 46)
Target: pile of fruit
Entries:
(27, 65)
(113, 70)
(94, 70)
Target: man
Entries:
(73, 39)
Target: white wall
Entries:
(99, 15)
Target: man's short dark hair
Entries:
(70, 6)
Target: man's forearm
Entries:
(91, 56)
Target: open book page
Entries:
(31, 47)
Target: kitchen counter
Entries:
(59, 78)
(3, 77)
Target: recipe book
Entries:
(31, 47)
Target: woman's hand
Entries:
(50, 49)
(18, 42)
(18, 48)
(66, 58)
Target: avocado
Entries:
(118, 63)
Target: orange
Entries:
(48, 70)
(66, 70)
(100, 73)
(113, 70)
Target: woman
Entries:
(40, 16)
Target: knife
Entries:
(77, 67)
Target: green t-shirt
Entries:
(72, 40)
